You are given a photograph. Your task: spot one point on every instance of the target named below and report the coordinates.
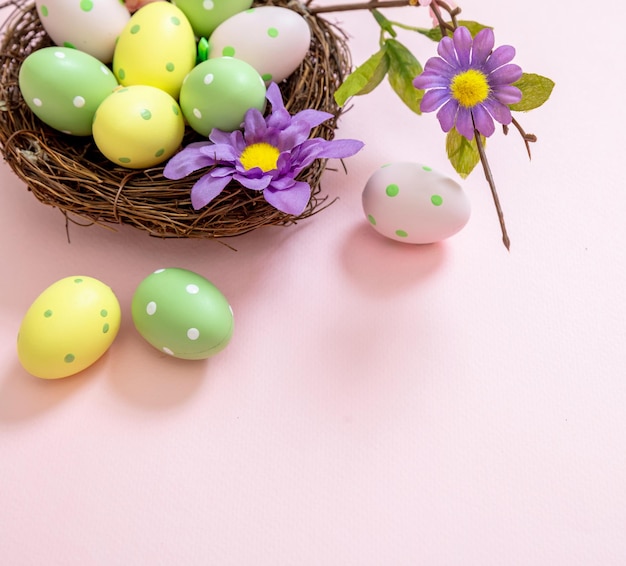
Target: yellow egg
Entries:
(157, 47)
(68, 327)
(138, 126)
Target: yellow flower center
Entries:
(470, 88)
(262, 155)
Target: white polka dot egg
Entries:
(411, 203)
(64, 87)
(274, 40)
(89, 25)
(182, 314)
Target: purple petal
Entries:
(206, 189)
(312, 118)
(293, 135)
(434, 77)
(318, 148)
(437, 66)
(291, 201)
(505, 75)
(254, 126)
(446, 51)
(279, 119)
(482, 46)
(274, 97)
(464, 123)
(462, 39)
(501, 56)
(255, 184)
(447, 114)
(483, 121)
(220, 152)
(507, 94)
(283, 183)
(433, 99)
(190, 159)
(500, 112)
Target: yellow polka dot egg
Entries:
(68, 327)
(412, 203)
(157, 47)
(138, 126)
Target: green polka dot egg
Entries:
(64, 87)
(206, 15)
(68, 327)
(157, 47)
(411, 203)
(182, 314)
(217, 93)
(138, 126)
(89, 25)
(274, 40)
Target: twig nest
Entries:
(71, 173)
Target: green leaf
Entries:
(535, 91)
(384, 23)
(462, 153)
(365, 78)
(403, 68)
(473, 27)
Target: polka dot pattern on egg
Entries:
(411, 203)
(68, 327)
(273, 39)
(80, 81)
(182, 314)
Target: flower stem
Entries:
(492, 186)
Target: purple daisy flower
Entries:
(470, 83)
(266, 156)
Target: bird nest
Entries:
(71, 174)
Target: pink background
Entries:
(380, 403)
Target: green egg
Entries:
(206, 15)
(63, 87)
(217, 93)
(182, 314)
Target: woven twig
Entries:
(70, 173)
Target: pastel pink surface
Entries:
(450, 404)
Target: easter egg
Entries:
(89, 25)
(206, 15)
(181, 313)
(217, 93)
(63, 87)
(409, 202)
(272, 39)
(138, 126)
(69, 326)
(157, 47)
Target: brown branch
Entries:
(363, 6)
(492, 186)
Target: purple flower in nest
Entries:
(266, 156)
(470, 83)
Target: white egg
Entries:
(409, 202)
(91, 26)
(272, 39)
